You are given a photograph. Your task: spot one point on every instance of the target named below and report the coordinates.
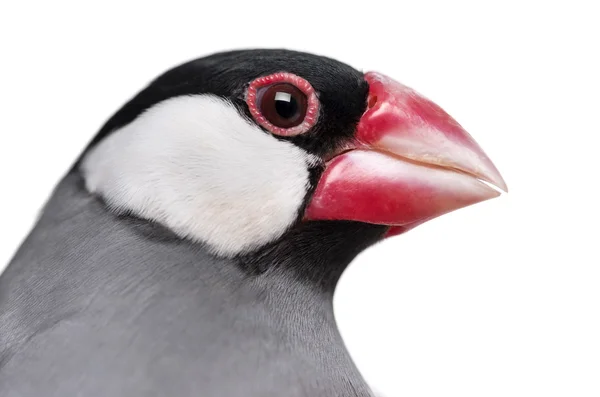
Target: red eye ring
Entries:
(304, 86)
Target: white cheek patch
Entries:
(195, 165)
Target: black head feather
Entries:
(341, 89)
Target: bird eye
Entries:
(283, 103)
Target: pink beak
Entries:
(411, 162)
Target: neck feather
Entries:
(315, 253)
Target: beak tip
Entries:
(488, 172)
(498, 181)
(499, 184)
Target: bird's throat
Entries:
(315, 253)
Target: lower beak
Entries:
(411, 162)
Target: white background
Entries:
(499, 299)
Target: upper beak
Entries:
(411, 162)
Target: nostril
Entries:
(372, 101)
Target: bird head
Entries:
(238, 149)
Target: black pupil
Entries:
(286, 105)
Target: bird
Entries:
(194, 246)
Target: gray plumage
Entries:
(99, 305)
